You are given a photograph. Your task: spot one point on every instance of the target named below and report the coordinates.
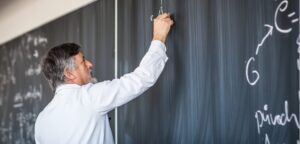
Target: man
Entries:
(77, 114)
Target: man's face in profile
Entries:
(83, 69)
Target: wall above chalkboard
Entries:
(18, 17)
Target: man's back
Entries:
(71, 118)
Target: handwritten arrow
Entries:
(270, 32)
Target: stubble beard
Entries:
(93, 79)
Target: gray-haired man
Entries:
(78, 111)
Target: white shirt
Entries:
(78, 114)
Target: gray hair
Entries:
(57, 60)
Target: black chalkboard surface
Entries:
(231, 78)
(210, 91)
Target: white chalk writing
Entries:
(282, 7)
(263, 117)
(33, 70)
(160, 11)
(33, 94)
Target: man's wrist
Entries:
(162, 39)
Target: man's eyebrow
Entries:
(83, 58)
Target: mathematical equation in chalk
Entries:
(281, 8)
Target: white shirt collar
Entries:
(66, 86)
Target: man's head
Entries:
(66, 64)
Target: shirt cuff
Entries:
(160, 44)
(159, 48)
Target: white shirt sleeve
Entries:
(110, 94)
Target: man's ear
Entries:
(69, 75)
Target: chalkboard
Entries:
(231, 77)
(210, 91)
(23, 90)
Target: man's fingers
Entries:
(169, 21)
(162, 25)
(163, 16)
(166, 17)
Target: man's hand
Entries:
(161, 27)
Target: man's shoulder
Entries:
(98, 84)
